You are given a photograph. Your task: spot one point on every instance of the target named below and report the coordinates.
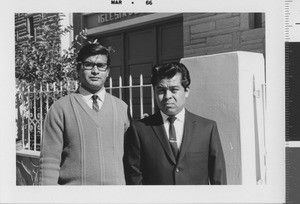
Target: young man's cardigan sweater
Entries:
(81, 146)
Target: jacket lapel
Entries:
(189, 127)
(160, 133)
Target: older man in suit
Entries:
(173, 146)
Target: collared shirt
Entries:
(87, 97)
(178, 124)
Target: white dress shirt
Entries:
(87, 97)
(178, 125)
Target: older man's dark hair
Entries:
(169, 70)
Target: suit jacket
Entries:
(149, 160)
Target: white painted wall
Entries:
(68, 38)
(222, 89)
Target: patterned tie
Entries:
(172, 136)
(95, 103)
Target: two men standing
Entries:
(83, 142)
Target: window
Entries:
(256, 20)
(30, 27)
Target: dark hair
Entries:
(169, 70)
(91, 50)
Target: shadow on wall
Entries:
(229, 88)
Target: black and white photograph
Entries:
(215, 48)
(145, 104)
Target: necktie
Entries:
(172, 136)
(95, 103)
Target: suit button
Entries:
(177, 170)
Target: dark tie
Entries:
(172, 136)
(95, 103)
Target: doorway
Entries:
(136, 51)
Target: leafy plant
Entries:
(41, 59)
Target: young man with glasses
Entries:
(84, 131)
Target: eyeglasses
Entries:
(90, 65)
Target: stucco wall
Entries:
(222, 88)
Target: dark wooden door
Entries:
(136, 52)
(140, 58)
(170, 42)
(117, 59)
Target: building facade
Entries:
(27, 24)
(141, 40)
